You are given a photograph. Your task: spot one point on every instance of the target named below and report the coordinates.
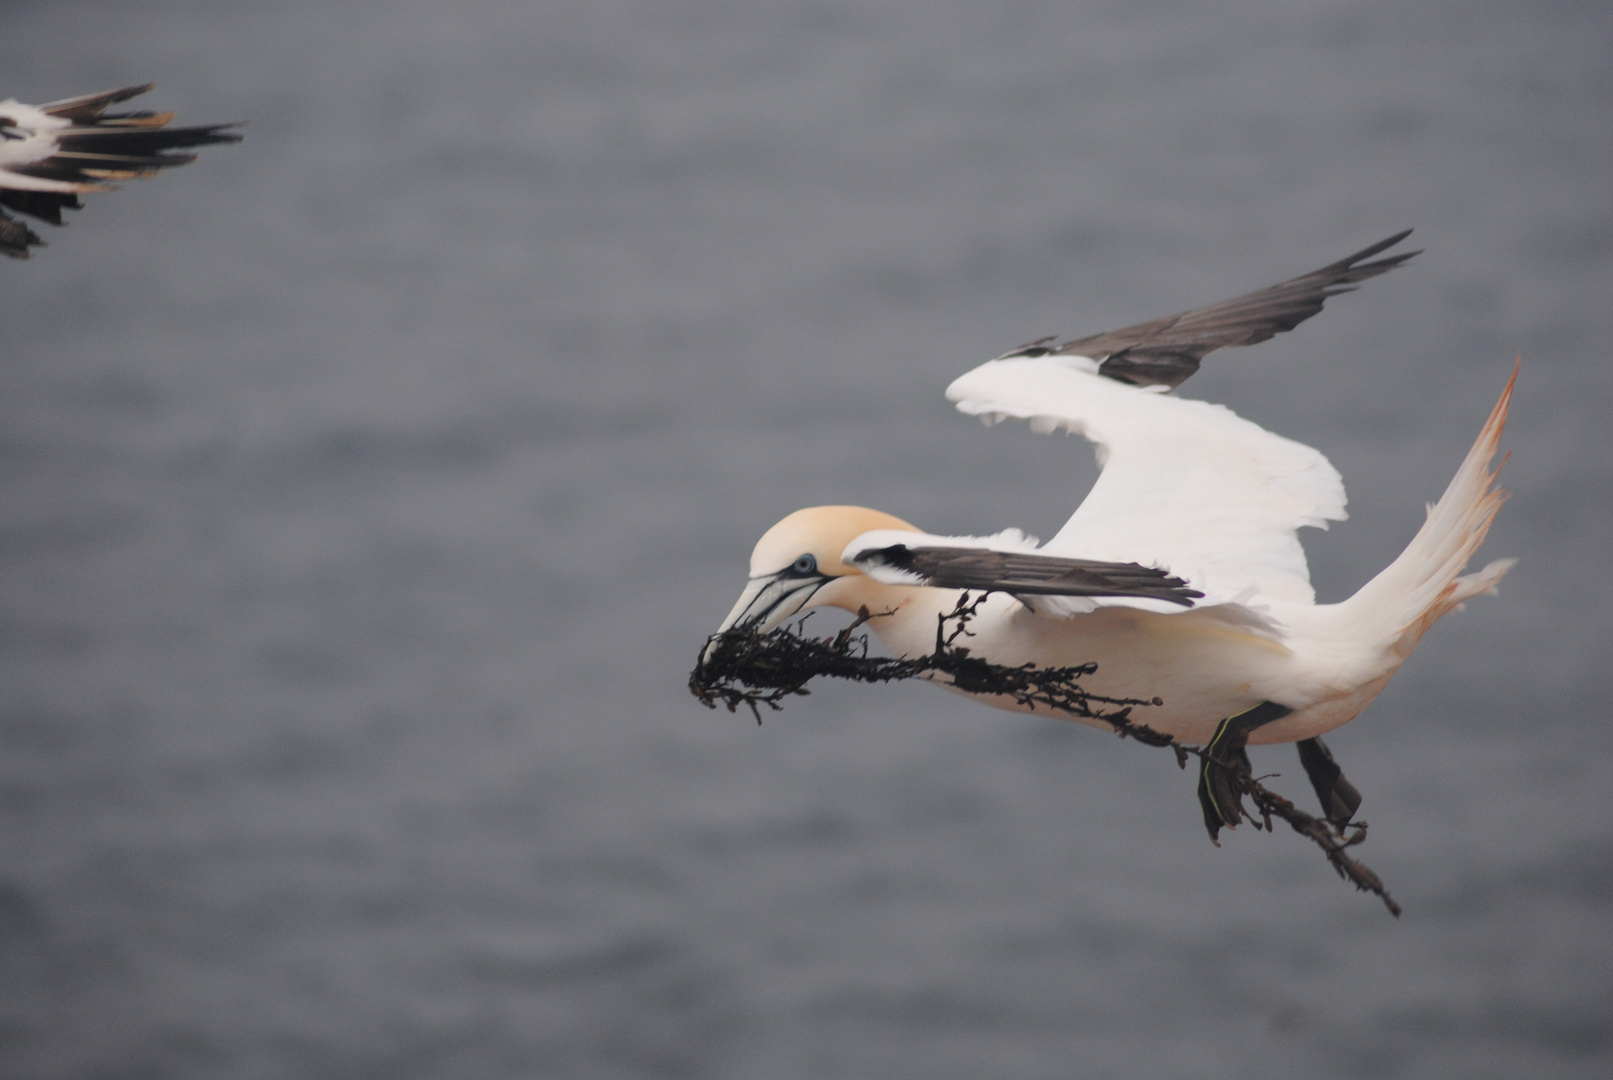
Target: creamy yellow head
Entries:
(796, 566)
(822, 532)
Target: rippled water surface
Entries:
(370, 486)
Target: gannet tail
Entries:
(1426, 582)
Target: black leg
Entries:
(1339, 798)
(1226, 763)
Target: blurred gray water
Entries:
(370, 486)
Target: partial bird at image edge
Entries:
(51, 154)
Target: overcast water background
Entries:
(370, 487)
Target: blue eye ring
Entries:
(806, 564)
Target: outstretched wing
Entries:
(51, 154)
(1186, 485)
(1166, 351)
(903, 558)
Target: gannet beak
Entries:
(766, 602)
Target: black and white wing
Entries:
(1164, 352)
(1006, 563)
(1186, 485)
(51, 154)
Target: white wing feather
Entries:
(1186, 485)
(31, 138)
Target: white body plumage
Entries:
(1187, 487)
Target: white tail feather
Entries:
(1426, 581)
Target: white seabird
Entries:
(51, 154)
(1180, 576)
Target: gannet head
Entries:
(796, 567)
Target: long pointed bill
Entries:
(765, 603)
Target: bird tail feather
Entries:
(1426, 581)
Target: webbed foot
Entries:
(1225, 767)
(1340, 800)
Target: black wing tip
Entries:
(1355, 268)
(1381, 245)
(1153, 582)
(90, 110)
(1180, 592)
(216, 134)
(137, 140)
(91, 106)
(1028, 573)
(1166, 352)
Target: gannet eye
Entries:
(805, 565)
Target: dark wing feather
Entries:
(1024, 573)
(90, 107)
(91, 155)
(100, 146)
(1166, 351)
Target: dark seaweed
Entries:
(755, 669)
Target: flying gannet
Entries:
(51, 154)
(1180, 576)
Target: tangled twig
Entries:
(744, 667)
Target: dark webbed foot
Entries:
(1339, 798)
(1225, 769)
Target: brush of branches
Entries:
(751, 669)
